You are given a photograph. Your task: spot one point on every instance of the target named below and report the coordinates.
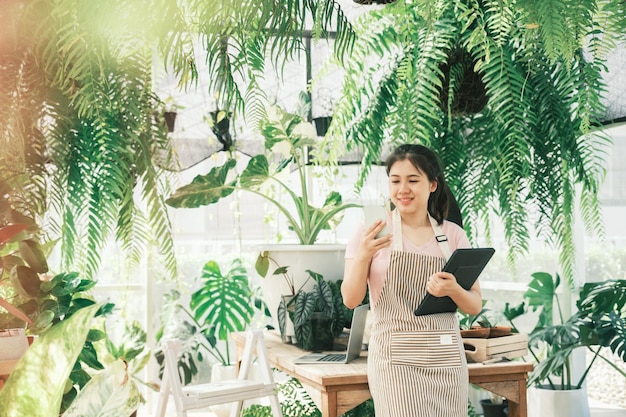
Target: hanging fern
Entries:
(231, 29)
(528, 156)
(89, 96)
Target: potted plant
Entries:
(21, 262)
(115, 386)
(495, 406)
(474, 325)
(13, 340)
(317, 315)
(481, 325)
(223, 304)
(424, 61)
(289, 138)
(287, 293)
(598, 323)
(36, 385)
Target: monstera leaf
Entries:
(224, 302)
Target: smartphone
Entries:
(373, 213)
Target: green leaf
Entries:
(256, 173)
(224, 303)
(35, 387)
(262, 264)
(25, 281)
(281, 270)
(33, 255)
(541, 294)
(89, 356)
(111, 392)
(10, 231)
(205, 189)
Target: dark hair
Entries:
(427, 161)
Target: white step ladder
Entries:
(236, 390)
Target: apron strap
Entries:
(396, 244)
(442, 239)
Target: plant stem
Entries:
(304, 192)
(217, 355)
(288, 280)
(532, 352)
(595, 356)
(617, 368)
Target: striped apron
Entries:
(416, 365)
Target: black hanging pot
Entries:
(170, 120)
(322, 124)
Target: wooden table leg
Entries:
(329, 404)
(520, 408)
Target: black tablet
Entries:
(466, 265)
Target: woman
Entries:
(416, 365)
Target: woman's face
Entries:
(409, 187)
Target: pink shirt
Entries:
(380, 262)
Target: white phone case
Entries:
(373, 213)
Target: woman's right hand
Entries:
(370, 244)
(356, 271)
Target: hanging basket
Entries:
(471, 95)
(322, 124)
(170, 120)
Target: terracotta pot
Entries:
(476, 333)
(499, 331)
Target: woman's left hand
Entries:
(441, 284)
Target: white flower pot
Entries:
(324, 259)
(221, 372)
(546, 402)
(13, 344)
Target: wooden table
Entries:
(338, 388)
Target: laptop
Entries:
(466, 265)
(355, 342)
